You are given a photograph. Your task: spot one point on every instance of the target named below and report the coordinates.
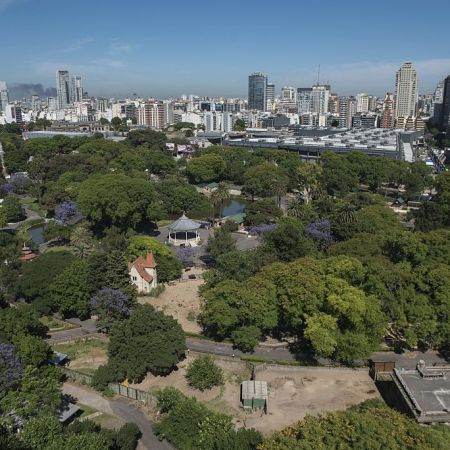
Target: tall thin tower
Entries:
(406, 91)
(63, 89)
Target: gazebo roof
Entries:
(184, 224)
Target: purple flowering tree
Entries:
(11, 368)
(185, 255)
(258, 230)
(65, 211)
(320, 232)
(7, 188)
(110, 305)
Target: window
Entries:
(134, 278)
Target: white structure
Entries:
(76, 93)
(362, 103)
(319, 98)
(4, 97)
(184, 231)
(143, 273)
(406, 91)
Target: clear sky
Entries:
(166, 48)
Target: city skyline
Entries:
(163, 53)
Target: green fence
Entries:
(118, 388)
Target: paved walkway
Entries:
(122, 408)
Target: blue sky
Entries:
(167, 48)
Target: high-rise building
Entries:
(270, 94)
(445, 123)
(304, 100)
(257, 91)
(362, 103)
(62, 89)
(151, 113)
(319, 98)
(76, 93)
(4, 97)
(288, 93)
(388, 112)
(347, 109)
(406, 91)
(372, 103)
(333, 104)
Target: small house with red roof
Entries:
(143, 273)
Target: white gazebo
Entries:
(184, 231)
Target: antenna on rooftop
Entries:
(318, 75)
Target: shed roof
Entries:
(254, 389)
(184, 224)
(141, 263)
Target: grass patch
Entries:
(164, 222)
(280, 362)
(54, 324)
(31, 203)
(86, 410)
(80, 347)
(58, 248)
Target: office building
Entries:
(76, 93)
(257, 91)
(62, 89)
(319, 98)
(270, 94)
(364, 120)
(4, 97)
(388, 112)
(406, 91)
(333, 104)
(288, 93)
(445, 122)
(13, 113)
(304, 100)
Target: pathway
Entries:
(121, 408)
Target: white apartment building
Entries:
(362, 103)
(319, 98)
(406, 91)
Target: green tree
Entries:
(265, 180)
(40, 432)
(262, 211)
(148, 341)
(12, 208)
(222, 242)
(206, 168)
(307, 181)
(321, 330)
(20, 321)
(219, 195)
(116, 122)
(203, 373)
(239, 125)
(82, 242)
(70, 291)
(116, 200)
(32, 350)
(150, 138)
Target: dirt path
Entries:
(121, 408)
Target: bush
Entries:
(168, 398)
(103, 376)
(128, 436)
(204, 374)
(157, 291)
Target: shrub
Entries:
(128, 436)
(246, 338)
(204, 374)
(103, 376)
(168, 398)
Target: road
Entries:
(121, 408)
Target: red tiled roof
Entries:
(141, 263)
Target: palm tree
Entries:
(219, 196)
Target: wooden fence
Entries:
(118, 388)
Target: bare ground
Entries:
(180, 300)
(294, 394)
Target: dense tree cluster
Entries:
(370, 425)
(189, 425)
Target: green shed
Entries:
(254, 395)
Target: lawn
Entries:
(31, 203)
(54, 324)
(103, 419)
(81, 348)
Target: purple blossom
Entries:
(7, 188)
(320, 232)
(11, 368)
(110, 305)
(185, 254)
(258, 230)
(65, 211)
(20, 182)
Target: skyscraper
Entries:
(76, 93)
(270, 94)
(4, 98)
(257, 91)
(304, 100)
(445, 123)
(62, 89)
(347, 109)
(405, 91)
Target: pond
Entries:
(234, 206)
(37, 234)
